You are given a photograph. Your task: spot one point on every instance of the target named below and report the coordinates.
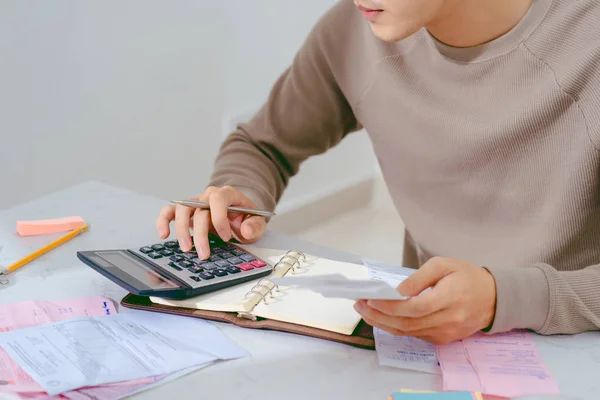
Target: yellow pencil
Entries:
(43, 250)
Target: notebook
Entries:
(262, 304)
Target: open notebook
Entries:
(263, 299)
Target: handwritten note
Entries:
(15, 316)
(96, 350)
(505, 365)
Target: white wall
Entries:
(137, 93)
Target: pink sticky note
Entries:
(15, 316)
(47, 226)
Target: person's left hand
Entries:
(462, 301)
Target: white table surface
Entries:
(281, 366)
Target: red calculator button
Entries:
(258, 263)
(245, 266)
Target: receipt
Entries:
(89, 351)
(338, 286)
(404, 352)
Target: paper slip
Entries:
(506, 365)
(119, 390)
(338, 286)
(400, 351)
(79, 352)
(15, 316)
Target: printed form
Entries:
(89, 351)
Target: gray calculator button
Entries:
(146, 250)
(235, 260)
(219, 272)
(174, 266)
(154, 255)
(222, 263)
(210, 266)
(247, 257)
(190, 255)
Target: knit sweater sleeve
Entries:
(305, 114)
(547, 301)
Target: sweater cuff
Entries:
(522, 298)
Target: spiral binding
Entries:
(296, 256)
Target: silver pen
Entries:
(205, 206)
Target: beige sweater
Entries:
(491, 153)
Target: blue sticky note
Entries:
(432, 396)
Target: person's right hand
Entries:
(217, 220)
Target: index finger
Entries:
(424, 304)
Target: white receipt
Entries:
(338, 286)
(400, 351)
(89, 351)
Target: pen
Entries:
(7, 270)
(205, 206)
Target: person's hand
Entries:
(218, 220)
(462, 301)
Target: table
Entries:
(282, 365)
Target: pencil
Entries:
(43, 250)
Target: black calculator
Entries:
(164, 270)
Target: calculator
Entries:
(164, 270)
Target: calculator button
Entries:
(171, 244)
(199, 262)
(222, 263)
(154, 255)
(206, 275)
(245, 266)
(233, 270)
(210, 266)
(235, 260)
(238, 252)
(190, 255)
(157, 247)
(185, 264)
(247, 257)
(214, 258)
(219, 272)
(225, 255)
(146, 250)
(258, 263)
(177, 251)
(195, 278)
(176, 258)
(166, 253)
(174, 266)
(197, 270)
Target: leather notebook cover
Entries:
(361, 337)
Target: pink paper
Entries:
(31, 313)
(111, 390)
(457, 371)
(506, 365)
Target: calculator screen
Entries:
(136, 269)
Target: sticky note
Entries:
(47, 226)
(423, 395)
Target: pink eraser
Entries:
(46, 226)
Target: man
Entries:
(485, 118)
